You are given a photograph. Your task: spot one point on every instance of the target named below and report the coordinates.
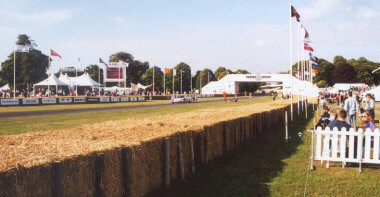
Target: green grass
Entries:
(52, 122)
(87, 106)
(268, 166)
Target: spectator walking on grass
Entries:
(370, 105)
(340, 122)
(351, 105)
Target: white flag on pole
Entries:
(21, 48)
(174, 72)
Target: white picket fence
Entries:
(339, 146)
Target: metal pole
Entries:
(119, 76)
(286, 126)
(153, 81)
(49, 75)
(14, 74)
(291, 60)
(173, 82)
(99, 78)
(164, 82)
(298, 70)
(191, 82)
(200, 83)
(181, 83)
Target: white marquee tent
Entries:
(52, 80)
(347, 86)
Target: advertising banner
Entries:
(115, 99)
(141, 98)
(104, 99)
(30, 101)
(124, 99)
(92, 100)
(79, 100)
(65, 100)
(49, 101)
(133, 99)
(10, 102)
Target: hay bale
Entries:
(173, 157)
(126, 170)
(35, 181)
(186, 151)
(78, 176)
(215, 140)
(112, 176)
(146, 167)
(229, 127)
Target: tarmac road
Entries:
(75, 111)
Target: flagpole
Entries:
(164, 81)
(119, 75)
(49, 73)
(291, 60)
(173, 81)
(298, 68)
(153, 81)
(191, 83)
(99, 78)
(200, 84)
(14, 74)
(181, 82)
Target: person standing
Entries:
(351, 105)
(340, 122)
(370, 105)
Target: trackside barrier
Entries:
(361, 146)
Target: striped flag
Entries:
(21, 48)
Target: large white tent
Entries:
(347, 86)
(86, 80)
(376, 92)
(52, 80)
(4, 88)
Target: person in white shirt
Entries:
(351, 105)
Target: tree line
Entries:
(32, 68)
(342, 70)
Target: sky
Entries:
(253, 35)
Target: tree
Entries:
(185, 77)
(241, 72)
(204, 79)
(221, 72)
(322, 84)
(158, 79)
(93, 71)
(30, 67)
(339, 59)
(325, 70)
(123, 56)
(344, 73)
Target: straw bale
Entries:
(230, 135)
(199, 156)
(35, 181)
(147, 167)
(215, 140)
(111, 178)
(78, 176)
(247, 128)
(185, 140)
(174, 161)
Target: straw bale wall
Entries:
(135, 169)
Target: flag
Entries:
(202, 74)
(53, 53)
(78, 59)
(209, 76)
(122, 63)
(314, 66)
(306, 37)
(174, 72)
(156, 68)
(294, 13)
(102, 62)
(168, 71)
(21, 48)
(312, 58)
(315, 71)
(308, 47)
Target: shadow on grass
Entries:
(244, 172)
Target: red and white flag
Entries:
(306, 37)
(53, 53)
(306, 46)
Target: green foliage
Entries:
(93, 71)
(186, 75)
(198, 78)
(123, 56)
(241, 72)
(322, 84)
(344, 73)
(325, 72)
(30, 67)
(339, 59)
(158, 79)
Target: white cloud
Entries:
(40, 19)
(120, 19)
(368, 14)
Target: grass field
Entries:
(271, 167)
(86, 106)
(52, 122)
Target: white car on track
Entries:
(182, 99)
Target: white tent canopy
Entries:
(64, 78)
(347, 86)
(52, 80)
(86, 80)
(376, 92)
(142, 86)
(6, 87)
